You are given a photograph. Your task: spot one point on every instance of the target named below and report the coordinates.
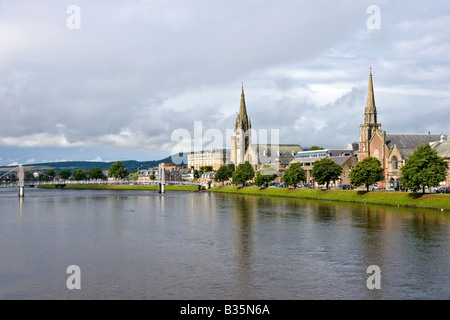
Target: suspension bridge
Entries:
(21, 182)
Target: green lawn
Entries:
(433, 201)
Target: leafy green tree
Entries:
(232, 167)
(204, 169)
(294, 174)
(133, 176)
(28, 175)
(152, 177)
(223, 174)
(366, 172)
(424, 168)
(79, 174)
(44, 176)
(325, 170)
(265, 175)
(117, 170)
(96, 173)
(196, 174)
(243, 173)
(51, 173)
(48, 175)
(65, 174)
(315, 148)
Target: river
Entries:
(191, 245)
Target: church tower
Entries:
(240, 142)
(370, 126)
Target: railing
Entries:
(15, 184)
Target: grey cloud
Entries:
(110, 83)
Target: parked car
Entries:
(346, 187)
(433, 189)
(443, 190)
(374, 188)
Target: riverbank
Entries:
(405, 199)
(120, 187)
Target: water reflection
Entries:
(144, 245)
(244, 215)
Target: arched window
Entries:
(394, 163)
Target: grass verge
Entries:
(406, 199)
(121, 187)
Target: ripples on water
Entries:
(189, 245)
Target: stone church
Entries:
(394, 149)
(258, 155)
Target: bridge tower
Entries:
(162, 178)
(21, 176)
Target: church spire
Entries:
(370, 112)
(242, 121)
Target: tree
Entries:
(325, 170)
(51, 173)
(133, 176)
(48, 175)
(424, 168)
(223, 174)
(28, 175)
(65, 174)
(196, 174)
(366, 172)
(294, 174)
(117, 170)
(265, 175)
(315, 148)
(204, 169)
(43, 177)
(243, 173)
(96, 173)
(152, 177)
(79, 174)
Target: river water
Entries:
(191, 245)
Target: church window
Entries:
(394, 163)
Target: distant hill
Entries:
(130, 165)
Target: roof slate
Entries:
(407, 143)
(442, 148)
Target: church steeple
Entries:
(242, 120)
(241, 141)
(370, 112)
(370, 126)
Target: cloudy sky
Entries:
(117, 80)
